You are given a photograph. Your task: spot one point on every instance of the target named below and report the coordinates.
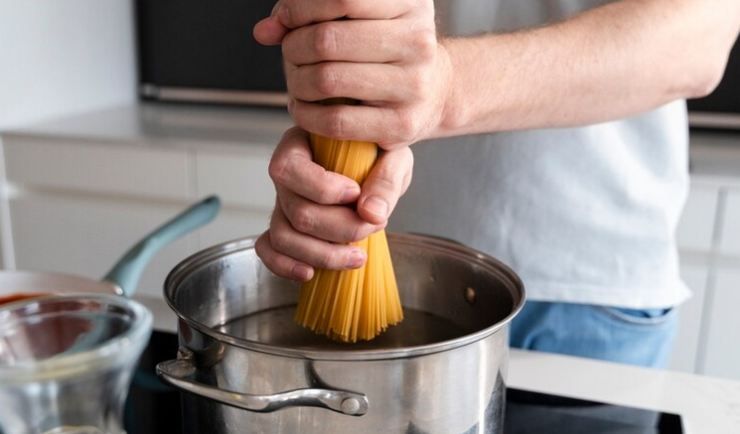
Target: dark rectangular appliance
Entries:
(195, 50)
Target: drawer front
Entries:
(696, 227)
(105, 168)
(722, 357)
(240, 179)
(85, 236)
(730, 242)
(686, 346)
(233, 224)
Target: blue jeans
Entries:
(635, 336)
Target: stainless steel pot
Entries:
(249, 368)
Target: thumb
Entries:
(387, 181)
(269, 31)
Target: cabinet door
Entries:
(730, 242)
(232, 224)
(686, 346)
(240, 179)
(245, 188)
(107, 169)
(696, 227)
(722, 357)
(85, 236)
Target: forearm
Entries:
(611, 62)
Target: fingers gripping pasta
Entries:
(358, 304)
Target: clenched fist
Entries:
(383, 53)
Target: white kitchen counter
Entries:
(166, 126)
(713, 154)
(707, 405)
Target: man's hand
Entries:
(383, 53)
(312, 223)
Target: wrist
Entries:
(452, 113)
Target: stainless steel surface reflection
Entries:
(441, 371)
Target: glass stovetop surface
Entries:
(154, 408)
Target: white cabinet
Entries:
(106, 168)
(240, 179)
(85, 236)
(722, 354)
(708, 340)
(687, 344)
(730, 242)
(696, 227)
(232, 224)
(77, 205)
(695, 237)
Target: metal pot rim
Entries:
(204, 257)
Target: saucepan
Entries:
(249, 368)
(123, 277)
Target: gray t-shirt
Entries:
(583, 215)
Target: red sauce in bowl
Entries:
(19, 296)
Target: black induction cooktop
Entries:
(154, 408)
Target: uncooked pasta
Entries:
(357, 304)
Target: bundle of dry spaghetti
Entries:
(348, 305)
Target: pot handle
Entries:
(126, 272)
(179, 372)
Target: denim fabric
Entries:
(634, 336)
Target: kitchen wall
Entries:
(59, 57)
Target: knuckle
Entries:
(303, 219)
(408, 126)
(268, 259)
(259, 247)
(278, 169)
(280, 240)
(353, 234)
(419, 84)
(386, 179)
(425, 44)
(336, 126)
(329, 259)
(327, 80)
(360, 232)
(326, 192)
(325, 40)
(287, 48)
(292, 78)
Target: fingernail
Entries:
(349, 194)
(377, 206)
(357, 258)
(302, 272)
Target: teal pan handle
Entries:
(126, 272)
